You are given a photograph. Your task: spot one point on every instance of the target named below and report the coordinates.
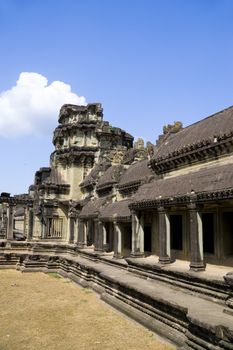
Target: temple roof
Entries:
(206, 133)
(118, 210)
(136, 173)
(112, 175)
(92, 177)
(91, 209)
(208, 128)
(206, 180)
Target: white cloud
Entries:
(32, 105)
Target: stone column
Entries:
(10, 222)
(100, 236)
(72, 216)
(85, 229)
(82, 238)
(25, 221)
(137, 235)
(95, 233)
(117, 241)
(30, 224)
(105, 244)
(196, 239)
(71, 223)
(76, 231)
(164, 237)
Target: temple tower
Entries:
(81, 140)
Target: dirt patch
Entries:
(40, 311)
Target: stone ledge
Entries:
(202, 324)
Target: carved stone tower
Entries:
(81, 140)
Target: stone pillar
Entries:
(85, 229)
(196, 239)
(10, 222)
(99, 246)
(76, 231)
(30, 224)
(72, 216)
(137, 235)
(71, 223)
(95, 233)
(164, 237)
(105, 244)
(25, 221)
(117, 241)
(82, 238)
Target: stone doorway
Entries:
(208, 233)
(148, 238)
(176, 227)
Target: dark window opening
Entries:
(208, 232)
(228, 233)
(147, 238)
(107, 232)
(176, 227)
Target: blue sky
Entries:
(149, 62)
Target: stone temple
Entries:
(149, 227)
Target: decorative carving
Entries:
(118, 157)
(172, 128)
(150, 149)
(139, 144)
(73, 212)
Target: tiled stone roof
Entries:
(91, 209)
(136, 173)
(92, 177)
(213, 126)
(206, 180)
(118, 210)
(112, 175)
(207, 139)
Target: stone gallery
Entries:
(149, 227)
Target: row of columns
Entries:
(83, 227)
(196, 238)
(195, 229)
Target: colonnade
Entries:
(78, 229)
(137, 246)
